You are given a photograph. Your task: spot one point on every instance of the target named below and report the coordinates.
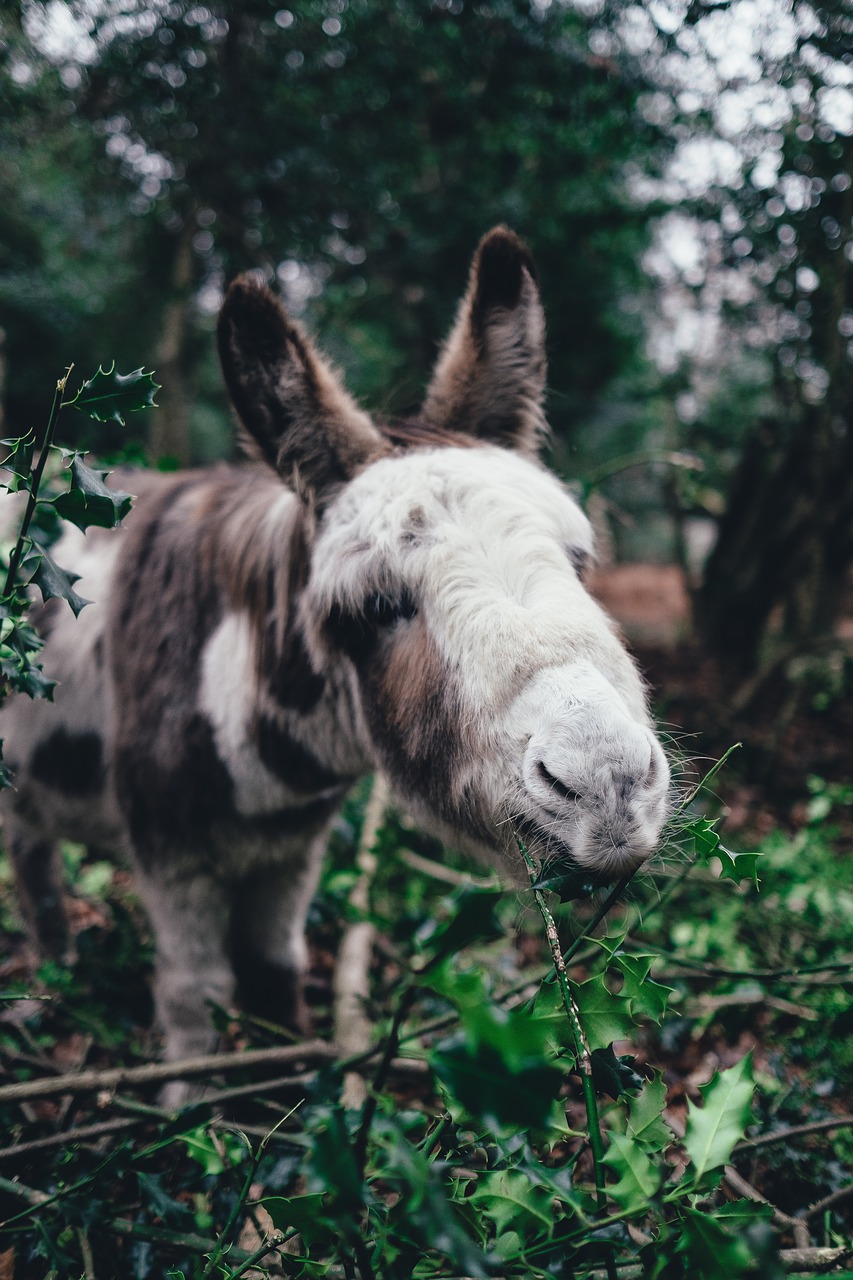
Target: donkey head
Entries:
(445, 581)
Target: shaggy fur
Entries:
(406, 599)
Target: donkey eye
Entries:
(382, 611)
(357, 633)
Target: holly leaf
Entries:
(613, 1076)
(712, 1252)
(738, 866)
(705, 838)
(508, 1198)
(639, 1178)
(605, 1017)
(109, 396)
(201, 1148)
(714, 1129)
(646, 1125)
(498, 1065)
(646, 998)
(707, 845)
(462, 917)
(19, 461)
(54, 582)
(5, 772)
(302, 1213)
(89, 501)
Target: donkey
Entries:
(404, 598)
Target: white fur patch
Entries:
(483, 541)
(227, 690)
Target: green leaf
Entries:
(639, 1178)
(715, 1128)
(201, 1148)
(738, 866)
(604, 1016)
(707, 845)
(109, 396)
(304, 1213)
(646, 998)
(509, 1199)
(646, 1125)
(333, 1166)
(613, 1076)
(711, 1251)
(89, 502)
(54, 582)
(462, 917)
(498, 1065)
(19, 462)
(705, 838)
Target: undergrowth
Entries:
(712, 1017)
(559, 1082)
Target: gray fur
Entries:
(262, 635)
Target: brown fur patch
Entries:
(490, 377)
(412, 709)
(302, 420)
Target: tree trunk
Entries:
(169, 438)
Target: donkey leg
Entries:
(268, 932)
(39, 881)
(189, 915)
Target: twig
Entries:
(761, 975)
(353, 1030)
(154, 1072)
(274, 1241)
(584, 1057)
(81, 1134)
(447, 875)
(829, 1202)
(797, 1131)
(36, 480)
(808, 1259)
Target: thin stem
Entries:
(582, 1050)
(47, 440)
(389, 1052)
(274, 1242)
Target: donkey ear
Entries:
(299, 416)
(490, 377)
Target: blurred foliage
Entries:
(357, 151)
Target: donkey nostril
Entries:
(554, 784)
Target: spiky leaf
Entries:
(304, 1213)
(508, 1198)
(605, 1017)
(109, 396)
(570, 882)
(715, 1128)
(646, 1125)
(498, 1065)
(54, 582)
(711, 1251)
(18, 461)
(89, 501)
(738, 866)
(465, 916)
(639, 1178)
(707, 844)
(614, 1076)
